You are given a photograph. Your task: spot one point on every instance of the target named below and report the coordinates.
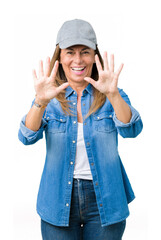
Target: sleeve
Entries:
(134, 127)
(26, 135)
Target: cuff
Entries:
(134, 118)
(28, 133)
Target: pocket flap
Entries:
(53, 116)
(103, 115)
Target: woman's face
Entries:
(77, 62)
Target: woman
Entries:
(84, 190)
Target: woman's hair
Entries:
(99, 98)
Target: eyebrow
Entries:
(69, 48)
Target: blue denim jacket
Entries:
(112, 187)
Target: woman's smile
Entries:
(78, 70)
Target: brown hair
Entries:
(99, 98)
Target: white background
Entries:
(130, 30)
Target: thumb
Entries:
(63, 86)
(90, 80)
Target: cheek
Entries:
(90, 66)
(65, 64)
(64, 60)
(91, 62)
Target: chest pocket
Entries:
(103, 122)
(56, 123)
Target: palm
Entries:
(108, 79)
(106, 82)
(45, 84)
(45, 88)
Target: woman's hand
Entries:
(44, 83)
(107, 84)
(108, 79)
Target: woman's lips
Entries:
(78, 71)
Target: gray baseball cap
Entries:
(76, 32)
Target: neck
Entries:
(78, 87)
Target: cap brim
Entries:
(71, 42)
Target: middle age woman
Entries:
(84, 190)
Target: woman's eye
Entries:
(85, 52)
(70, 52)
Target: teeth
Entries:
(78, 69)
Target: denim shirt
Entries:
(111, 184)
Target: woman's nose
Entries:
(77, 58)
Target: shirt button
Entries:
(74, 103)
(85, 123)
(110, 116)
(71, 163)
(67, 204)
(74, 122)
(101, 205)
(92, 163)
(74, 92)
(47, 117)
(96, 183)
(83, 104)
(98, 117)
(73, 141)
(88, 143)
(69, 182)
(61, 120)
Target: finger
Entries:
(105, 59)
(41, 71)
(62, 87)
(34, 75)
(90, 80)
(47, 67)
(98, 64)
(54, 71)
(112, 63)
(119, 70)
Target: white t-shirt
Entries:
(81, 169)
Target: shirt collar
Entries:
(70, 90)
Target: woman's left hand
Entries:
(108, 79)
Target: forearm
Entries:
(121, 108)
(34, 117)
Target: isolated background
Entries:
(130, 30)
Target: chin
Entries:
(78, 79)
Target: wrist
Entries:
(113, 96)
(41, 102)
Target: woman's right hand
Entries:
(44, 83)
